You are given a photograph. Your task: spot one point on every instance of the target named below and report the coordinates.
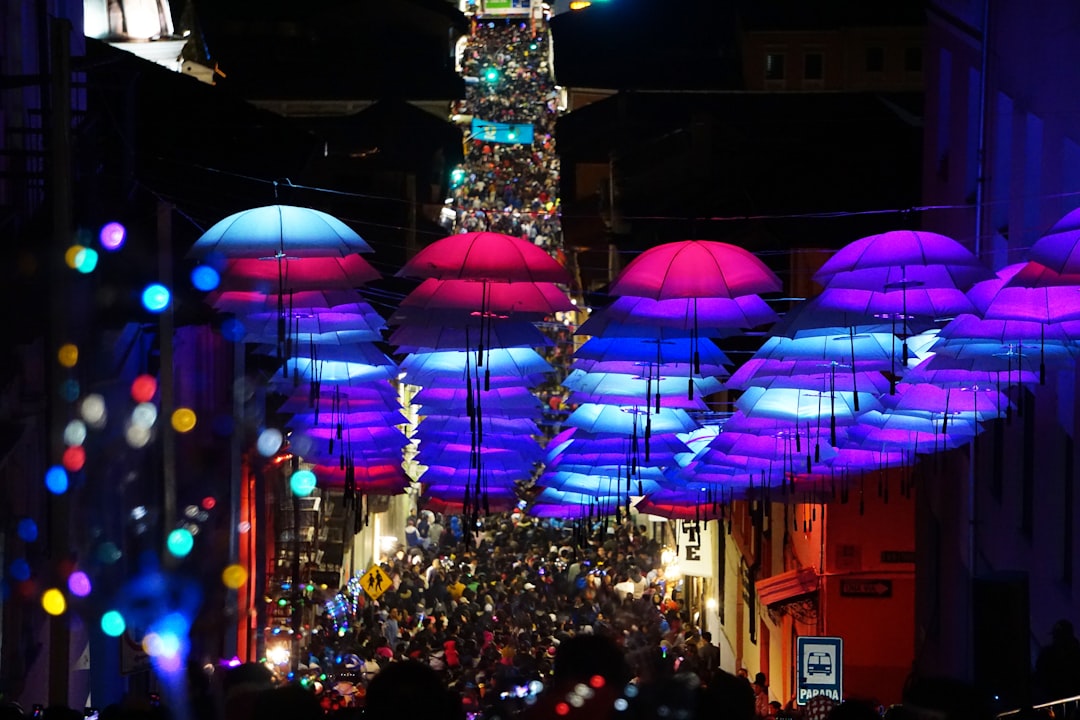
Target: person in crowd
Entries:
(1057, 667)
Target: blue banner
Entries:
(511, 133)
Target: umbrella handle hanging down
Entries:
(854, 374)
(1042, 354)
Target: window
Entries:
(875, 59)
(913, 59)
(774, 66)
(813, 66)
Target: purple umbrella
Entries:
(915, 252)
(713, 314)
(999, 299)
(1059, 249)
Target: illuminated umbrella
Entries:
(324, 272)
(623, 421)
(625, 386)
(1058, 248)
(363, 418)
(810, 374)
(715, 316)
(490, 424)
(253, 302)
(488, 297)
(575, 440)
(485, 256)
(501, 402)
(283, 231)
(945, 371)
(920, 256)
(451, 365)
(301, 369)
(805, 406)
(414, 338)
(1001, 299)
(595, 484)
(669, 351)
(978, 403)
(695, 269)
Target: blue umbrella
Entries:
(279, 231)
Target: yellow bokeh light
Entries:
(53, 601)
(183, 420)
(234, 576)
(71, 257)
(68, 355)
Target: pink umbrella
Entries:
(249, 302)
(488, 297)
(485, 256)
(307, 273)
(695, 269)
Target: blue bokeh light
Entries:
(56, 480)
(155, 297)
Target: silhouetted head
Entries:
(413, 688)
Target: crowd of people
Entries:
(509, 187)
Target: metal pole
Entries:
(57, 95)
(165, 372)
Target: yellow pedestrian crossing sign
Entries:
(375, 582)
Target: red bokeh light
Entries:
(143, 388)
(597, 681)
(562, 709)
(74, 458)
(208, 503)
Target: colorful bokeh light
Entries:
(68, 355)
(71, 256)
(205, 278)
(180, 542)
(112, 236)
(155, 297)
(302, 483)
(143, 388)
(112, 623)
(234, 576)
(56, 480)
(53, 601)
(75, 433)
(86, 260)
(79, 584)
(183, 420)
(269, 442)
(74, 458)
(27, 530)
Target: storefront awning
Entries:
(787, 586)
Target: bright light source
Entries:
(277, 655)
(155, 297)
(112, 236)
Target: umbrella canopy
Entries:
(504, 334)
(719, 314)
(301, 369)
(1059, 248)
(907, 249)
(669, 351)
(624, 386)
(363, 418)
(1006, 330)
(985, 402)
(450, 365)
(999, 299)
(297, 273)
(914, 302)
(497, 401)
(461, 423)
(619, 420)
(485, 256)
(810, 374)
(279, 231)
(872, 351)
(251, 302)
(695, 269)
(340, 398)
(312, 323)
(945, 371)
(488, 297)
(797, 405)
(596, 485)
